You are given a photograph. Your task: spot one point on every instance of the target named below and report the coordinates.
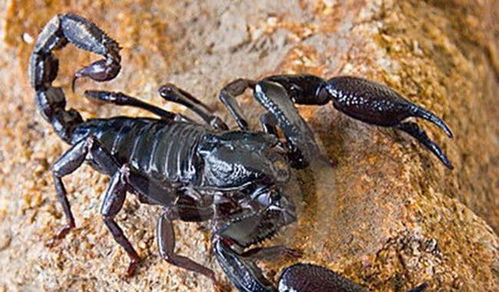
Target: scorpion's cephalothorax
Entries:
(232, 160)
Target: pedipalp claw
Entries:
(377, 104)
(420, 112)
(414, 130)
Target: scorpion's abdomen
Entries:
(158, 149)
(173, 151)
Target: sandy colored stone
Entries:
(387, 215)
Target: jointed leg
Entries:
(112, 204)
(277, 95)
(300, 139)
(166, 244)
(115, 195)
(66, 207)
(228, 97)
(66, 165)
(174, 94)
(365, 100)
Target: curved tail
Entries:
(43, 66)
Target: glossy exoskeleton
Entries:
(205, 171)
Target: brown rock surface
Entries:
(387, 215)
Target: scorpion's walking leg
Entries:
(166, 244)
(228, 97)
(112, 204)
(67, 164)
(172, 93)
(90, 148)
(121, 99)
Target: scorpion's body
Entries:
(166, 155)
(205, 171)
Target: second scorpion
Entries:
(206, 171)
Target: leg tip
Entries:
(60, 235)
(132, 267)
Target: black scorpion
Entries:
(201, 172)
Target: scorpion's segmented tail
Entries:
(43, 66)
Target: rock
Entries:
(387, 215)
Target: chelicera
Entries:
(206, 171)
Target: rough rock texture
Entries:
(388, 215)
